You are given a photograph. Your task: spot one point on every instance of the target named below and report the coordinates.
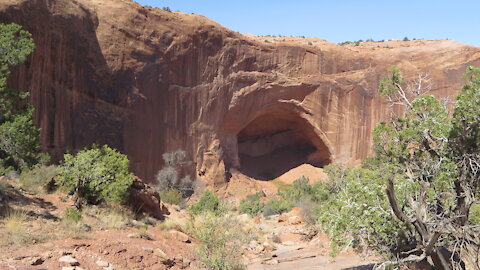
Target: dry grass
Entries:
(111, 217)
(72, 224)
(15, 224)
(115, 218)
(36, 179)
(222, 239)
(143, 232)
(173, 224)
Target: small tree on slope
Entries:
(19, 148)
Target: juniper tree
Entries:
(19, 148)
(437, 157)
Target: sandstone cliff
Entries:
(148, 81)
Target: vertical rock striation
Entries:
(148, 81)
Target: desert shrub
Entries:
(251, 205)
(221, 238)
(100, 174)
(37, 178)
(276, 238)
(72, 224)
(72, 215)
(167, 9)
(301, 194)
(275, 207)
(208, 202)
(171, 196)
(168, 178)
(173, 224)
(16, 227)
(354, 211)
(175, 158)
(300, 191)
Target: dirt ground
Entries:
(143, 245)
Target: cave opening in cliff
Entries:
(276, 142)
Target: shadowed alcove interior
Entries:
(277, 141)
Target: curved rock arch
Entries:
(278, 138)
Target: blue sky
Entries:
(341, 20)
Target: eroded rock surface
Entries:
(149, 81)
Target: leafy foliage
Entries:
(427, 161)
(435, 158)
(72, 215)
(251, 205)
(276, 207)
(100, 174)
(208, 202)
(19, 148)
(171, 196)
(354, 210)
(389, 83)
(474, 216)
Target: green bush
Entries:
(72, 215)
(275, 207)
(252, 205)
(100, 174)
(301, 194)
(300, 191)
(171, 196)
(354, 210)
(209, 202)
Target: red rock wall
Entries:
(147, 81)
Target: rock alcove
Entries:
(277, 141)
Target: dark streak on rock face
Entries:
(150, 81)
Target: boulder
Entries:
(294, 217)
(146, 198)
(69, 260)
(160, 253)
(102, 263)
(37, 261)
(180, 236)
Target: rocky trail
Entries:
(301, 246)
